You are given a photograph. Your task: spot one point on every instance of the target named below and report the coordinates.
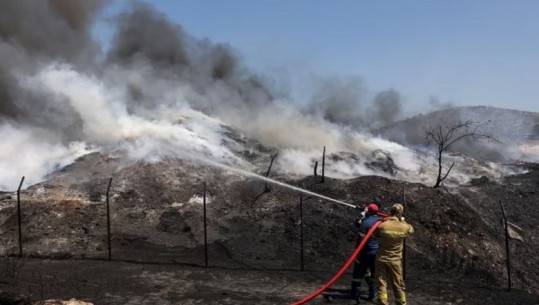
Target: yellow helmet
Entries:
(397, 208)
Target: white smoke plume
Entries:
(161, 93)
(27, 151)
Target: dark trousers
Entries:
(364, 263)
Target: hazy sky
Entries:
(463, 52)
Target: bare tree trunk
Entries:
(439, 177)
(323, 164)
(108, 221)
(507, 251)
(266, 188)
(446, 136)
(19, 217)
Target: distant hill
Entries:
(510, 127)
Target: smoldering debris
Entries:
(382, 161)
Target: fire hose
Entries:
(343, 269)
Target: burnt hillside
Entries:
(157, 216)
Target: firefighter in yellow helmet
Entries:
(391, 234)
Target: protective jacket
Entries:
(365, 262)
(392, 233)
(388, 259)
(372, 244)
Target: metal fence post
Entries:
(508, 260)
(108, 220)
(323, 164)
(19, 216)
(301, 231)
(404, 242)
(205, 230)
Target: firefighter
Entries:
(364, 266)
(392, 233)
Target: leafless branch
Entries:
(447, 173)
(448, 134)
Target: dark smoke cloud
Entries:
(36, 33)
(345, 101)
(534, 132)
(388, 107)
(151, 56)
(146, 38)
(78, 14)
(59, 94)
(54, 28)
(339, 100)
(224, 63)
(144, 34)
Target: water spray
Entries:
(263, 178)
(253, 175)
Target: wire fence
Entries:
(205, 231)
(209, 228)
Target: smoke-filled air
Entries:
(159, 92)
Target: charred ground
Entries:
(157, 217)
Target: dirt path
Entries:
(102, 282)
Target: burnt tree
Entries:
(444, 136)
(266, 187)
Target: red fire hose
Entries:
(343, 269)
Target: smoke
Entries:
(340, 101)
(79, 14)
(160, 92)
(54, 28)
(28, 151)
(32, 34)
(146, 35)
(435, 104)
(347, 102)
(387, 107)
(38, 131)
(105, 124)
(514, 131)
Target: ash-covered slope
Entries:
(512, 128)
(157, 216)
